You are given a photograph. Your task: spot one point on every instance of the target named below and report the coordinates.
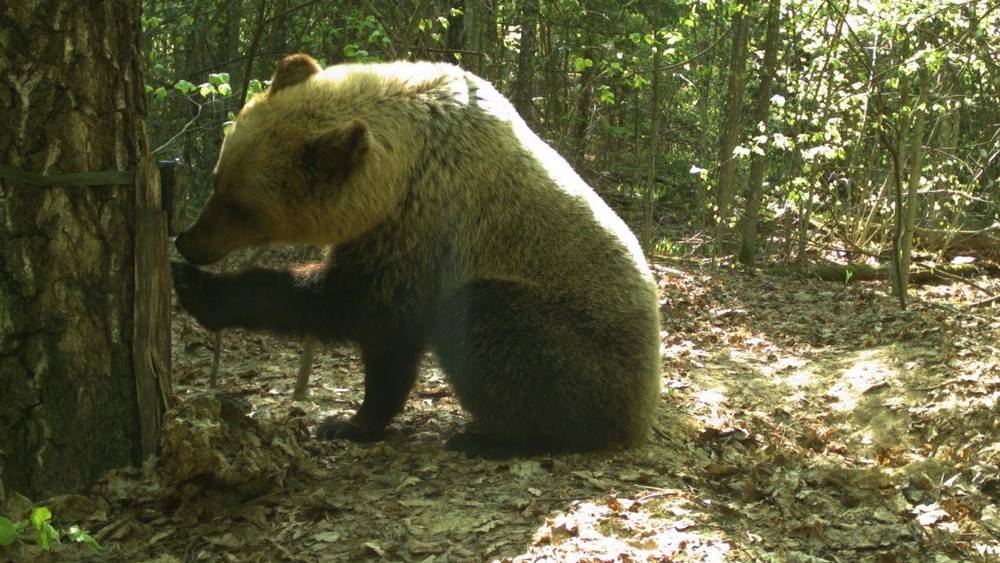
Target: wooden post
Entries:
(151, 329)
(173, 187)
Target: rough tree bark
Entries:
(71, 100)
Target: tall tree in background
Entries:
(649, 194)
(524, 89)
(761, 111)
(472, 29)
(904, 235)
(730, 127)
(73, 102)
(229, 52)
(584, 102)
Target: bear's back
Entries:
(475, 182)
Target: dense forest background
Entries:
(776, 131)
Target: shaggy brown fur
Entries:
(454, 227)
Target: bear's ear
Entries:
(292, 70)
(333, 156)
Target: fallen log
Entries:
(983, 243)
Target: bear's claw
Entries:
(334, 428)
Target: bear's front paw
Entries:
(190, 283)
(334, 428)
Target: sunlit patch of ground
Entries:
(802, 421)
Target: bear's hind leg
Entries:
(390, 371)
(542, 372)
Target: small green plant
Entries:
(9, 531)
(45, 533)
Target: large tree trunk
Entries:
(72, 101)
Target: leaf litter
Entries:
(801, 421)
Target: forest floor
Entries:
(801, 421)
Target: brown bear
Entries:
(453, 228)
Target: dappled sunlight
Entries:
(711, 397)
(656, 525)
(774, 441)
(712, 400)
(864, 372)
(834, 420)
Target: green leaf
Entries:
(352, 51)
(224, 90)
(206, 90)
(39, 516)
(46, 535)
(582, 63)
(217, 78)
(606, 95)
(255, 86)
(185, 87)
(639, 81)
(8, 531)
(160, 93)
(934, 59)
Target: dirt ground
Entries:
(801, 421)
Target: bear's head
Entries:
(299, 166)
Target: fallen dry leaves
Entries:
(801, 421)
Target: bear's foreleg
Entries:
(283, 301)
(390, 371)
